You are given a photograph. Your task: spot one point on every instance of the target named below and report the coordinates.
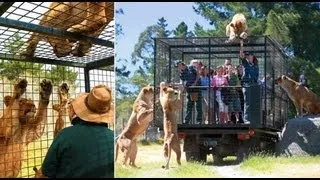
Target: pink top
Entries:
(219, 81)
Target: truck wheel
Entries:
(192, 156)
(217, 159)
(242, 154)
(203, 156)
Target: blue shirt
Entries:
(189, 76)
(204, 81)
(250, 72)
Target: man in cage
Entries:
(190, 77)
(86, 148)
(303, 80)
(249, 79)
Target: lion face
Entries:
(170, 93)
(27, 110)
(279, 80)
(147, 92)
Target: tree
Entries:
(119, 30)
(12, 70)
(182, 31)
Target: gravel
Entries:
(300, 137)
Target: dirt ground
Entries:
(150, 158)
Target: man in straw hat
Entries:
(86, 148)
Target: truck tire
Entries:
(202, 156)
(217, 159)
(192, 156)
(242, 153)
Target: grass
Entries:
(304, 166)
(150, 160)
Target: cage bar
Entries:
(18, 21)
(212, 52)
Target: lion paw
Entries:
(21, 87)
(45, 89)
(27, 53)
(56, 107)
(64, 88)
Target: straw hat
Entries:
(95, 106)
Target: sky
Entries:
(139, 15)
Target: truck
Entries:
(269, 103)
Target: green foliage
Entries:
(119, 30)
(59, 74)
(277, 28)
(12, 70)
(182, 31)
(123, 112)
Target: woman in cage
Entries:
(85, 149)
(218, 81)
(205, 80)
(235, 105)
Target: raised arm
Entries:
(242, 59)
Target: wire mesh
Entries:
(270, 111)
(32, 12)
(69, 69)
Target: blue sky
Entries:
(139, 15)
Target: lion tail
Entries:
(117, 147)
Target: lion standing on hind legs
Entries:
(20, 125)
(63, 92)
(170, 101)
(141, 116)
(301, 96)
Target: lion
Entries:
(21, 124)
(170, 100)
(237, 28)
(63, 92)
(86, 18)
(141, 116)
(301, 96)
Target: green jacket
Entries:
(82, 150)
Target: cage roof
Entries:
(21, 19)
(202, 47)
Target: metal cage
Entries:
(212, 52)
(17, 22)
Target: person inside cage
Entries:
(240, 72)
(205, 80)
(215, 106)
(218, 81)
(249, 79)
(234, 105)
(86, 148)
(227, 63)
(303, 80)
(190, 77)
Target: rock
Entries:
(300, 137)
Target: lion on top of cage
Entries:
(21, 124)
(237, 28)
(86, 18)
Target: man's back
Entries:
(82, 150)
